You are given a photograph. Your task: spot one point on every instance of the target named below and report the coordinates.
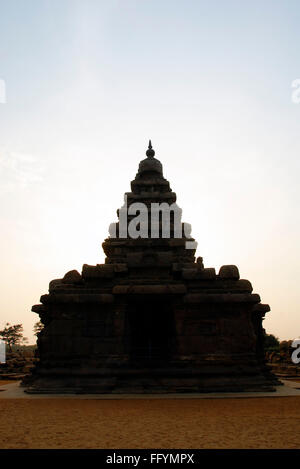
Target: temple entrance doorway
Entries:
(151, 331)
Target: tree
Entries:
(12, 335)
(271, 343)
(37, 328)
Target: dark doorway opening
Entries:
(151, 332)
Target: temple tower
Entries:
(151, 319)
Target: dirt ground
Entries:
(3, 382)
(150, 423)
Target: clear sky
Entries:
(88, 82)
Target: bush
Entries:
(271, 343)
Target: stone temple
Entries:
(152, 318)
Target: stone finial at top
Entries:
(150, 152)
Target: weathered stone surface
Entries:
(221, 298)
(230, 272)
(261, 308)
(208, 273)
(97, 271)
(189, 274)
(54, 284)
(120, 268)
(151, 319)
(149, 289)
(134, 259)
(72, 277)
(164, 258)
(38, 309)
(244, 285)
(77, 298)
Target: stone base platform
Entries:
(156, 381)
(286, 389)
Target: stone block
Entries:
(134, 259)
(207, 274)
(221, 298)
(97, 271)
(177, 242)
(261, 308)
(120, 268)
(149, 289)
(38, 309)
(229, 272)
(73, 276)
(79, 298)
(189, 274)
(244, 285)
(54, 283)
(164, 258)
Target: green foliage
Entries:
(13, 335)
(271, 343)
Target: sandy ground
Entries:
(3, 382)
(150, 423)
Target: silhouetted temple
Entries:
(151, 319)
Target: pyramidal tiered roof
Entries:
(148, 189)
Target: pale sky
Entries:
(88, 82)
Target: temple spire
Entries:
(150, 152)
